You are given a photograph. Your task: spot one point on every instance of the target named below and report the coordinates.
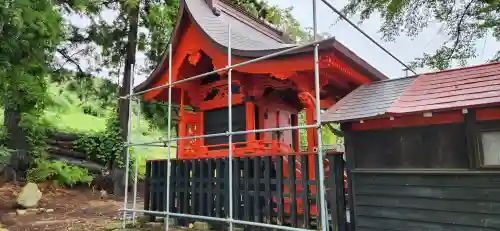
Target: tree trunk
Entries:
(19, 160)
(123, 106)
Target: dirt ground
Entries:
(76, 209)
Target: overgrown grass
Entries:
(90, 112)
(67, 114)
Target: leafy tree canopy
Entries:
(464, 22)
(30, 30)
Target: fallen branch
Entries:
(61, 143)
(66, 152)
(93, 167)
(65, 136)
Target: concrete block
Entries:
(238, 229)
(172, 221)
(199, 225)
(154, 226)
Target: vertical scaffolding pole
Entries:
(127, 148)
(323, 211)
(136, 172)
(230, 128)
(169, 131)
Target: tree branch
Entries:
(71, 60)
(459, 28)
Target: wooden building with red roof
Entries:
(423, 152)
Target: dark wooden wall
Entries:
(427, 201)
(217, 121)
(437, 146)
(419, 178)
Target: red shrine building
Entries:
(266, 94)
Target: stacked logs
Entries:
(61, 147)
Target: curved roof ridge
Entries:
(244, 37)
(274, 29)
(246, 41)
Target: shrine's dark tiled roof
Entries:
(367, 101)
(250, 37)
(245, 36)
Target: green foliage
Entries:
(65, 174)
(4, 136)
(282, 19)
(159, 18)
(30, 32)
(328, 137)
(463, 21)
(37, 131)
(156, 112)
(4, 156)
(103, 147)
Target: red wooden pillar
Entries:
(250, 114)
(311, 138)
(182, 127)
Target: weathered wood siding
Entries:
(436, 146)
(458, 200)
(420, 178)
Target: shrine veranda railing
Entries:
(261, 192)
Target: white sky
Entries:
(404, 48)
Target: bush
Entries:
(91, 110)
(64, 174)
(103, 147)
(4, 136)
(4, 156)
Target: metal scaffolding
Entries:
(230, 133)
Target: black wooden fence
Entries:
(200, 187)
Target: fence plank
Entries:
(148, 189)
(218, 192)
(178, 177)
(279, 189)
(210, 185)
(267, 189)
(305, 191)
(236, 188)
(202, 188)
(187, 170)
(246, 196)
(225, 192)
(292, 190)
(316, 193)
(256, 192)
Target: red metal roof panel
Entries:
(446, 90)
(457, 88)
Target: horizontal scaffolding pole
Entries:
(366, 35)
(228, 67)
(197, 217)
(225, 134)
